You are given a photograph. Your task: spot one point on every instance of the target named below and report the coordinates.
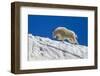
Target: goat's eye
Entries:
(57, 37)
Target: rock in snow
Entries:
(41, 48)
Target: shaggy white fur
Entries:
(62, 33)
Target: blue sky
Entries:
(44, 25)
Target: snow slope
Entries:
(41, 48)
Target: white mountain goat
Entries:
(62, 33)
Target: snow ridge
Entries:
(41, 48)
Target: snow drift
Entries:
(41, 48)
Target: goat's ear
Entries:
(53, 35)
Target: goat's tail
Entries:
(76, 42)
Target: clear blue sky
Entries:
(43, 25)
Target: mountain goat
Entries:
(62, 33)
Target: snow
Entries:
(41, 48)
